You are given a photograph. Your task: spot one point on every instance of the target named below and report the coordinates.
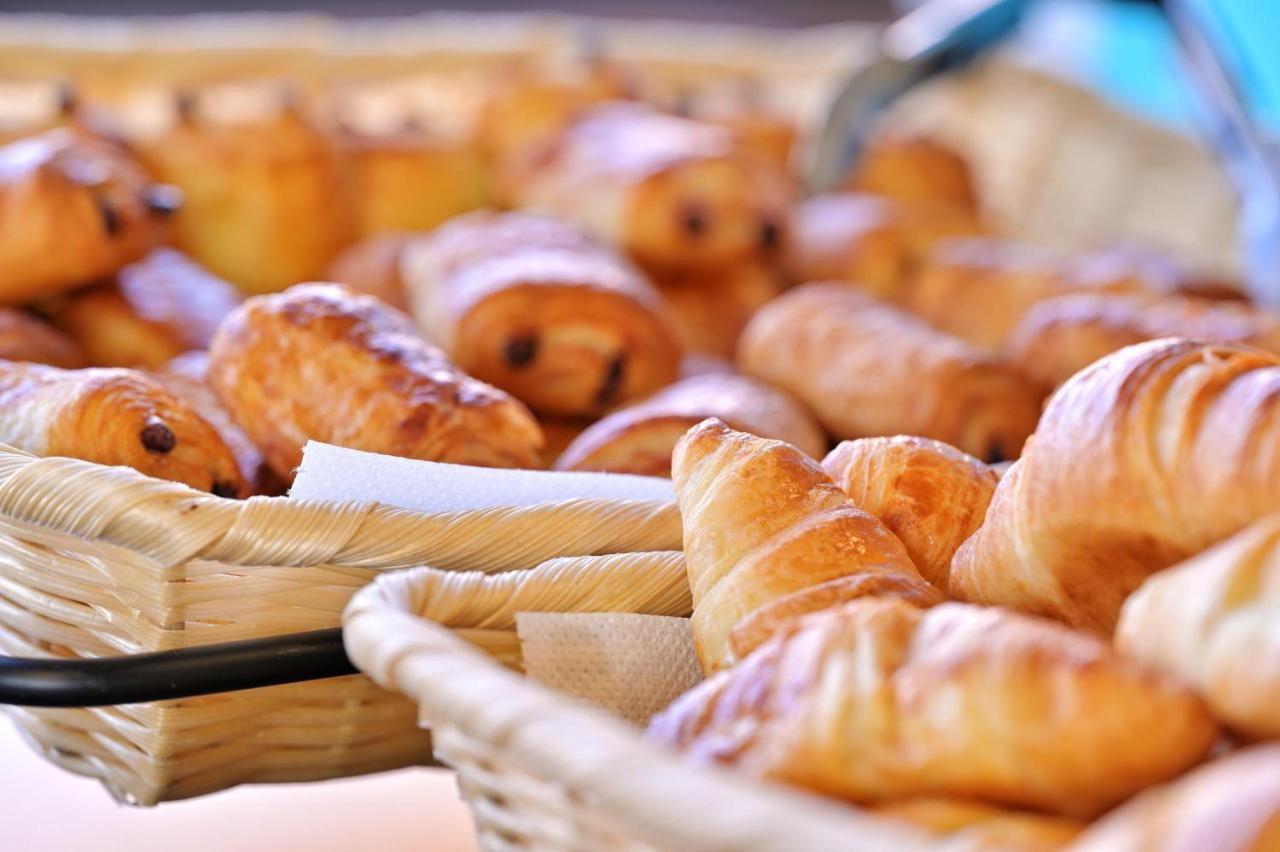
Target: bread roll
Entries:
(533, 305)
(710, 309)
(929, 494)
(113, 417)
(867, 369)
(1140, 461)
(879, 700)
(372, 267)
(763, 528)
(320, 362)
(964, 826)
(639, 439)
(23, 337)
(915, 169)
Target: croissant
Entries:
(669, 191)
(73, 209)
(534, 306)
(929, 494)
(1061, 336)
(23, 337)
(264, 204)
(320, 362)
(373, 267)
(710, 309)
(965, 825)
(155, 310)
(113, 417)
(915, 169)
(763, 522)
(1214, 621)
(866, 369)
(879, 700)
(1140, 461)
(639, 438)
(1230, 805)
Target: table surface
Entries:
(45, 809)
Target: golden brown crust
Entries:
(372, 267)
(866, 369)
(639, 439)
(916, 169)
(72, 210)
(1061, 336)
(761, 520)
(1230, 805)
(113, 417)
(156, 309)
(929, 494)
(1214, 622)
(321, 362)
(534, 306)
(976, 827)
(25, 338)
(710, 309)
(1143, 459)
(878, 700)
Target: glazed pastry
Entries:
(263, 193)
(639, 439)
(966, 826)
(916, 170)
(1230, 805)
(1061, 336)
(113, 417)
(73, 209)
(1214, 622)
(929, 494)
(866, 369)
(868, 240)
(156, 309)
(669, 191)
(319, 362)
(25, 338)
(534, 306)
(710, 309)
(1140, 461)
(879, 700)
(764, 527)
(372, 267)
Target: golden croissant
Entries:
(879, 700)
(1142, 460)
(764, 527)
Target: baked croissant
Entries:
(915, 169)
(929, 494)
(865, 369)
(320, 362)
(710, 309)
(264, 204)
(879, 700)
(1061, 336)
(639, 439)
(113, 417)
(73, 209)
(155, 310)
(1140, 461)
(1230, 805)
(965, 825)
(669, 191)
(372, 267)
(23, 337)
(764, 527)
(1214, 622)
(533, 305)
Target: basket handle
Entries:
(182, 673)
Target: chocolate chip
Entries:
(222, 488)
(694, 221)
(612, 383)
(520, 351)
(110, 218)
(162, 199)
(770, 235)
(157, 437)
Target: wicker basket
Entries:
(98, 561)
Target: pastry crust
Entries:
(762, 522)
(866, 369)
(966, 826)
(534, 306)
(639, 439)
(113, 417)
(710, 309)
(1140, 461)
(929, 494)
(321, 362)
(372, 267)
(916, 169)
(26, 338)
(879, 700)
(73, 209)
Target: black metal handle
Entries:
(183, 673)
